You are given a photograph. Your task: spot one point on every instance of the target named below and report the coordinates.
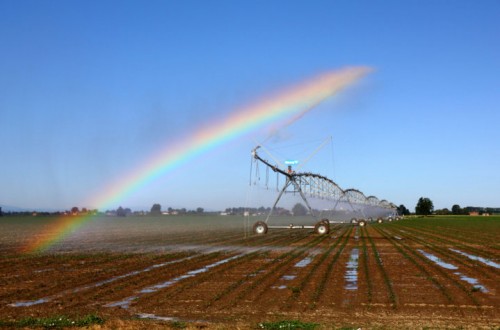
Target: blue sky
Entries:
(89, 90)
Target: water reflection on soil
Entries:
(43, 270)
(156, 317)
(463, 277)
(437, 260)
(475, 283)
(480, 259)
(125, 303)
(304, 262)
(351, 274)
(97, 284)
(29, 303)
(301, 264)
(288, 277)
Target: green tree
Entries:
(299, 209)
(200, 210)
(444, 211)
(456, 209)
(156, 209)
(402, 210)
(424, 206)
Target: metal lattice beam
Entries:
(318, 186)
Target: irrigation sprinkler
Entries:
(309, 185)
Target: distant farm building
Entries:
(476, 213)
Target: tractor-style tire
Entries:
(322, 228)
(361, 223)
(380, 220)
(260, 228)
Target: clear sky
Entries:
(89, 90)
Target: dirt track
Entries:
(223, 278)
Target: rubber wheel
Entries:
(361, 223)
(379, 220)
(322, 228)
(260, 228)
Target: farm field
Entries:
(212, 272)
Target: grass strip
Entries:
(287, 325)
(54, 322)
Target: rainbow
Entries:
(292, 103)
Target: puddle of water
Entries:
(281, 287)
(189, 274)
(163, 318)
(438, 261)
(288, 277)
(135, 272)
(94, 285)
(480, 259)
(156, 317)
(257, 273)
(43, 270)
(475, 283)
(304, 262)
(398, 238)
(125, 303)
(351, 274)
(29, 303)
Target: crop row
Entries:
(435, 243)
(419, 260)
(320, 288)
(455, 232)
(387, 280)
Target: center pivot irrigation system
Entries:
(316, 186)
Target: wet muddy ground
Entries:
(150, 274)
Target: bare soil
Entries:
(229, 278)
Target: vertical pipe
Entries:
(251, 170)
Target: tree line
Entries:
(424, 206)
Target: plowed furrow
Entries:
(453, 289)
(473, 267)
